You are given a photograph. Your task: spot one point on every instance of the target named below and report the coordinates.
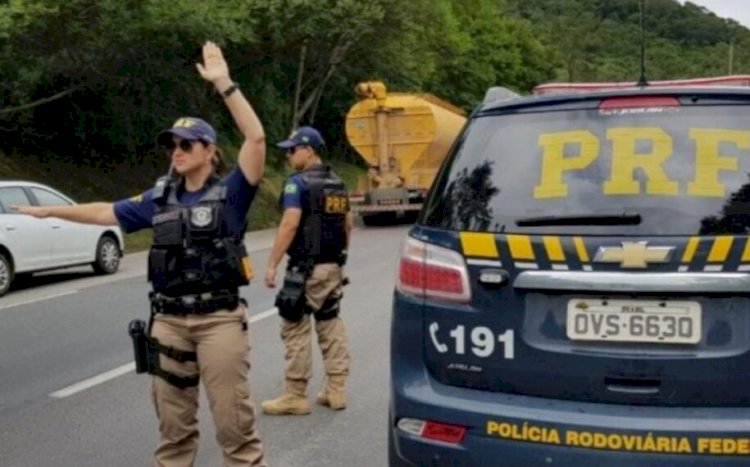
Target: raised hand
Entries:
(214, 68)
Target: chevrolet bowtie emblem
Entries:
(634, 254)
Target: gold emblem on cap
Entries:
(184, 123)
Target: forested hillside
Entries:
(599, 40)
(87, 84)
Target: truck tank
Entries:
(403, 138)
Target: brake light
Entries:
(639, 102)
(453, 434)
(431, 271)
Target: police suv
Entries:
(576, 291)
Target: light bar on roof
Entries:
(568, 88)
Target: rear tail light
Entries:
(431, 271)
(453, 434)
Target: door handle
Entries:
(10, 227)
(55, 226)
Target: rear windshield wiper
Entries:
(581, 219)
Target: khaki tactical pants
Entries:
(220, 341)
(324, 280)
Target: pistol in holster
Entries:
(147, 350)
(291, 300)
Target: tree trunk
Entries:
(298, 87)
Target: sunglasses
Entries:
(186, 145)
(290, 152)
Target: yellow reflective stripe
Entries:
(554, 248)
(479, 244)
(690, 249)
(520, 247)
(720, 249)
(746, 252)
(583, 255)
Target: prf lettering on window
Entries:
(709, 164)
(336, 205)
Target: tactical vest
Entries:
(192, 250)
(325, 203)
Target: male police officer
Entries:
(315, 231)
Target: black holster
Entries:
(137, 331)
(291, 298)
(147, 350)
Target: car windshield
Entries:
(677, 170)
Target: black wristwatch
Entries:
(230, 90)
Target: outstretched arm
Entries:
(252, 157)
(88, 213)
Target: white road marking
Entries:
(127, 368)
(40, 299)
(263, 315)
(91, 382)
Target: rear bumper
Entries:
(587, 435)
(513, 430)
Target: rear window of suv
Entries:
(673, 170)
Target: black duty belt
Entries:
(203, 303)
(315, 260)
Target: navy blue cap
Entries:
(305, 135)
(191, 128)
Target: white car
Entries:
(29, 245)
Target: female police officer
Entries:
(196, 264)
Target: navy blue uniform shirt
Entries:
(294, 191)
(136, 213)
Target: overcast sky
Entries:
(738, 10)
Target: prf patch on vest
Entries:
(333, 204)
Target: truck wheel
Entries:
(410, 217)
(6, 274)
(380, 219)
(369, 219)
(107, 256)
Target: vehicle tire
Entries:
(107, 256)
(6, 274)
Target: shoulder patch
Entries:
(137, 198)
(290, 188)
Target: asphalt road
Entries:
(69, 397)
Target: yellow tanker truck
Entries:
(403, 138)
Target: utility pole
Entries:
(731, 55)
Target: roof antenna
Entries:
(642, 80)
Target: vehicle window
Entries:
(13, 196)
(47, 198)
(662, 171)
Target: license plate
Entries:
(390, 202)
(660, 321)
